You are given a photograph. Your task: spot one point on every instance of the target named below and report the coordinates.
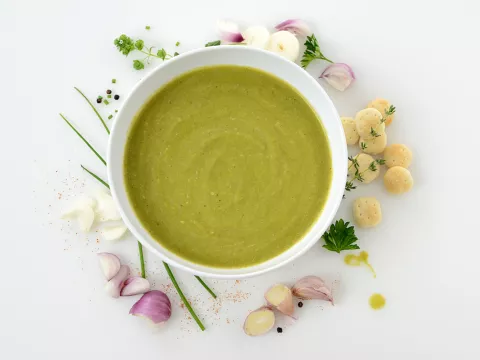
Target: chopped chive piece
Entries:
(114, 81)
(96, 177)
(109, 96)
(147, 27)
(94, 109)
(205, 286)
(184, 299)
(177, 43)
(100, 97)
(106, 102)
(110, 117)
(116, 110)
(84, 140)
(176, 54)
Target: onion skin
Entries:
(312, 287)
(153, 305)
(295, 26)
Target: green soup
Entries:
(227, 166)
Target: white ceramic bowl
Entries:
(232, 55)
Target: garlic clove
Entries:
(115, 284)
(113, 232)
(280, 297)
(110, 265)
(259, 322)
(340, 76)
(83, 212)
(256, 36)
(295, 26)
(229, 31)
(284, 44)
(106, 209)
(153, 305)
(312, 287)
(134, 286)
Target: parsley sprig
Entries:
(126, 45)
(340, 237)
(312, 52)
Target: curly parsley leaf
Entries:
(312, 52)
(124, 44)
(340, 237)
(138, 65)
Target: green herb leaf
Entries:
(147, 27)
(124, 44)
(177, 43)
(374, 133)
(162, 54)
(114, 81)
(363, 145)
(312, 52)
(340, 237)
(110, 117)
(139, 44)
(138, 65)
(106, 102)
(175, 54)
(213, 43)
(380, 161)
(349, 186)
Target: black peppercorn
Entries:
(300, 304)
(116, 97)
(109, 92)
(279, 330)
(99, 100)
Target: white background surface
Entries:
(422, 55)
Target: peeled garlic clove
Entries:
(83, 212)
(113, 232)
(312, 287)
(259, 322)
(106, 209)
(340, 76)
(280, 297)
(229, 32)
(154, 305)
(134, 286)
(256, 36)
(114, 286)
(110, 265)
(285, 44)
(295, 26)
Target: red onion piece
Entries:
(134, 286)
(295, 26)
(114, 286)
(229, 32)
(110, 265)
(153, 305)
(339, 75)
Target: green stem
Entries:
(149, 54)
(84, 140)
(185, 301)
(142, 260)
(94, 109)
(96, 177)
(205, 286)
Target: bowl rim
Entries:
(113, 186)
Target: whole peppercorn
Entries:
(116, 97)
